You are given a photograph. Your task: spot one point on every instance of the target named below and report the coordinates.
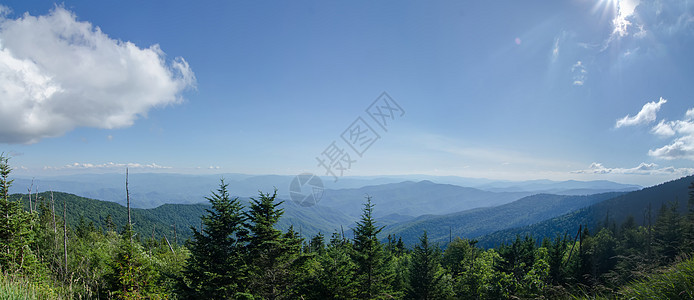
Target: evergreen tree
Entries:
(373, 273)
(16, 227)
(335, 273)
(426, 273)
(272, 256)
(133, 276)
(316, 245)
(668, 232)
(555, 258)
(518, 258)
(458, 254)
(216, 268)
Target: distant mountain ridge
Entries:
(569, 187)
(477, 222)
(614, 210)
(149, 190)
(414, 198)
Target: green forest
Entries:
(237, 252)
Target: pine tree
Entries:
(336, 276)
(16, 234)
(271, 255)
(373, 274)
(316, 245)
(426, 273)
(668, 232)
(216, 268)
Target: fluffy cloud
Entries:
(646, 115)
(663, 128)
(109, 165)
(682, 147)
(57, 73)
(641, 169)
(625, 9)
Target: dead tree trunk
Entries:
(30, 189)
(127, 196)
(65, 233)
(175, 235)
(55, 229)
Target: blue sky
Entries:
(502, 90)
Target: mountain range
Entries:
(405, 208)
(149, 190)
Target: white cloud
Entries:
(57, 73)
(109, 165)
(555, 49)
(690, 114)
(625, 9)
(682, 147)
(641, 169)
(579, 71)
(663, 128)
(646, 115)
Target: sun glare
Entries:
(606, 8)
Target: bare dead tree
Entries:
(127, 196)
(167, 242)
(30, 189)
(175, 234)
(65, 233)
(55, 230)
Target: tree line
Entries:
(237, 253)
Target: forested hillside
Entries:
(161, 221)
(238, 252)
(642, 205)
(477, 222)
(416, 198)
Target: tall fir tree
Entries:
(271, 254)
(668, 232)
(426, 274)
(373, 273)
(216, 268)
(16, 227)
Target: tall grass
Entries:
(676, 283)
(13, 287)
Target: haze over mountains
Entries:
(406, 207)
(149, 190)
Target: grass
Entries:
(16, 288)
(675, 283)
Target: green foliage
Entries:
(373, 274)
(478, 222)
(675, 283)
(16, 230)
(216, 267)
(331, 274)
(426, 276)
(272, 256)
(669, 232)
(20, 288)
(242, 254)
(619, 209)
